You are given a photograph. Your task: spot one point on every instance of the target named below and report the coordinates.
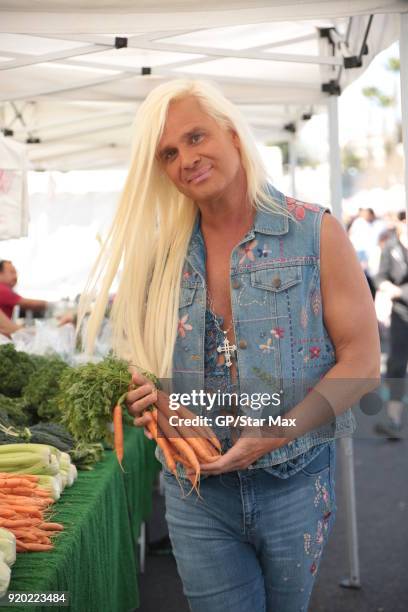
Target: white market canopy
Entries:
(72, 73)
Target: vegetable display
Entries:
(15, 370)
(88, 395)
(42, 388)
(76, 407)
(32, 477)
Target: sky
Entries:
(357, 114)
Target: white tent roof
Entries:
(77, 93)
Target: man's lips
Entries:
(200, 175)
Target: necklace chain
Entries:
(210, 304)
(225, 347)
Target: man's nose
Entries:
(189, 159)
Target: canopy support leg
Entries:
(292, 165)
(334, 155)
(404, 94)
(346, 444)
(349, 492)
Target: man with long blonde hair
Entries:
(226, 284)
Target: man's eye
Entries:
(195, 138)
(169, 155)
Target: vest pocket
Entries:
(277, 279)
(187, 296)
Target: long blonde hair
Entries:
(150, 232)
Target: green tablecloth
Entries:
(95, 557)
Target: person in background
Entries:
(9, 298)
(392, 278)
(7, 327)
(364, 233)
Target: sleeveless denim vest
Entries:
(283, 345)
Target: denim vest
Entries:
(283, 345)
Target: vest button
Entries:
(242, 344)
(236, 284)
(276, 282)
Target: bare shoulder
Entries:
(336, 251)
(348, 308)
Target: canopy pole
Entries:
(336, 194)
(346, 444)
(292, 164)
(349, 491)
(404, 94)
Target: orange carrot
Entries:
(7, 513)
(118, 433)
(10, 523)
(16, 482)
(24, 535)
(164, 445)
(31, 477)
(202, 430)
(32, 546)
(51, 526)
(36, 492)
(204, 433)
(27, 510)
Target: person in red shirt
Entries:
(8, 297)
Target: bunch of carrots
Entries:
(187, 445)
(23, 505)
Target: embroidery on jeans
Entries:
(322, 494)
(314, 547)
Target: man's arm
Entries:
(7, 326)
(350, 319)
(351, 322)
(383, 279)
(36, 305)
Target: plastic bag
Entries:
(46, 337)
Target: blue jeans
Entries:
(253, 541)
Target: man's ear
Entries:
(235, 140)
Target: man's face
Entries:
(401, 227)
(201, 158)
(8, 275)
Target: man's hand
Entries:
(244, 452)
(137, 400)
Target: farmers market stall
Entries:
(94, 559)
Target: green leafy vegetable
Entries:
(15, 408)
(15, 369)
(42, 388)
(86, 455)
(88, 395)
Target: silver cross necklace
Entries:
(225, 347)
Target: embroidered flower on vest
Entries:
(299, 208)
(183, 326)
(247, 251)
(316, 302)
(314, 352)
(278, 332)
